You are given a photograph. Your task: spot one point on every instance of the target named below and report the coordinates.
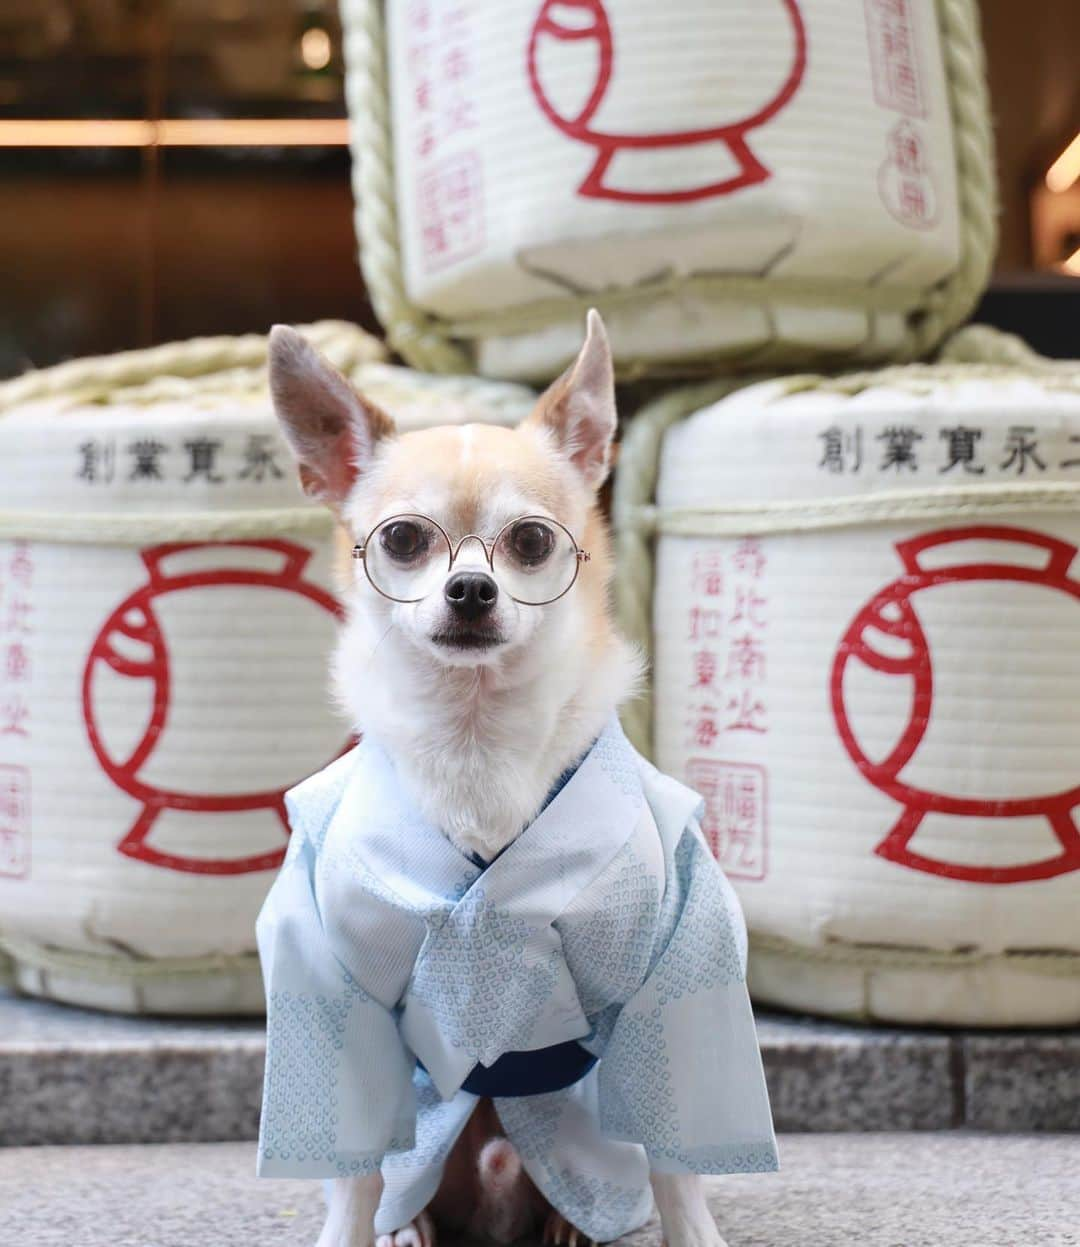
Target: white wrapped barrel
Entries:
(776, 180)
(166, 615)
(866, 629)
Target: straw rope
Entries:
(110, 967)
(187, 367)
(635, 487)
(976, 175)
(137, 528)
(411, 332)
(899, 506)
(440, 344)
(980, 344)
(1063, 964)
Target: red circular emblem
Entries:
(132, 643)
(585, 23)
(892, 615)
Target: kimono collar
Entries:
(588, 816)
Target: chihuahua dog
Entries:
(481, 701)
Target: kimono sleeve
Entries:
(682, 1073)
(338, 1090)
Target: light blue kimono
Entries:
(395, 964)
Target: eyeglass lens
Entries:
(534, 559)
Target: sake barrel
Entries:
(728, 181)
(865, 624)
(167, 609)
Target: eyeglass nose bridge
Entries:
(487, 547)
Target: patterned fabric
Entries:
(485, 992)
(606, 922)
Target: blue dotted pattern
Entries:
(474, 979)
(433, 1136)
(603, 1208)
(608, 952)
(705, 947)
(702, 952)
(302, 1078)
(619, 762)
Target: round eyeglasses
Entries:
(535, 559)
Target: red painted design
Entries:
(14, 822)
(735, 821)
(596, 27)
(892, 613)
(134, 619)
(905, 179)
(451, 211)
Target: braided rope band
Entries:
(115, 967)
(988, 355)
(915, 505)
(188, 366)
(443, 345)
(139, 527)
(1063, 964)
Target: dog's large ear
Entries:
(331, 429)
(578, 409)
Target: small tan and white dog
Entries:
(481, 702)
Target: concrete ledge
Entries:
(71, 1077)
(874, 1190)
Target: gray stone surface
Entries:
(1022, 1082)
(827, 1076)
(838, 1190)
(71, 1076)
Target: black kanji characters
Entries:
(146, 455)
(841, 449)
(203, 452)
(97, 462)
(1021, 448)
(1071, 463)
(962, 443)
(899, 449)
(259, 460)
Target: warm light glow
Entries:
(1066, 169)
(1072, 264)
(76, 133)
(315, 48)
(178, 132)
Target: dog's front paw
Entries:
(350, 1212)
(335, 1234)
(418, 1233)
(699, 1234)
(684, 1214)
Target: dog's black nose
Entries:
(471, 594)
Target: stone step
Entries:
(68, 1076)
(953, 1189)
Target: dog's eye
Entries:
(403, 539)
(532, 542)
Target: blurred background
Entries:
(169, 169)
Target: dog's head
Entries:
(475, 543)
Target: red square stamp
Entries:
(14, 821)
(736, 810)
(894, 56)
(451, 203)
